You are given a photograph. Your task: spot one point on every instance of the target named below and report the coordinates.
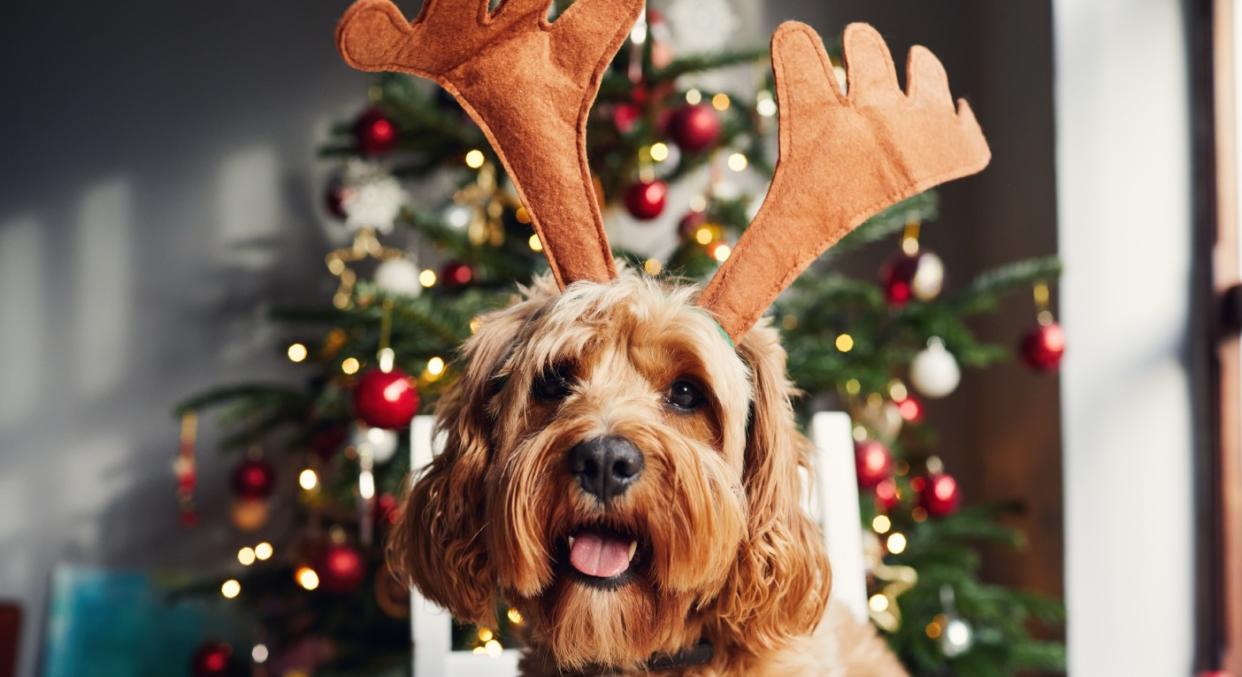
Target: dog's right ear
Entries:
(438, 542)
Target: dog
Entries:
(620, 472)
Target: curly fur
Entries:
(729, 554)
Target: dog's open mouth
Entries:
(601, 557)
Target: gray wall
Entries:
(158, 188)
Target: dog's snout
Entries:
(605, 466)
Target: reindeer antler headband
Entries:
(529, 84)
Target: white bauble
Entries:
(458, 216)
(928, 277)
(956, 638)
(371, 198)
(380, 442)
(934, 371)
(398, 276)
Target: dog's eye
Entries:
(552, 385)
(685, 395)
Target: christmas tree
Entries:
(437, 236)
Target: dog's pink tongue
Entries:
(599, 556)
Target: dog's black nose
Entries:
(605, 466)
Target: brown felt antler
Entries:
(528, 84)
(842, 159)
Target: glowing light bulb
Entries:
(307, 578)
(435, 366)
(308, 479)
(297, 352)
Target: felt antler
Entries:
(842, 159)
(528, 84)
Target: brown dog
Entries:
(624, 476)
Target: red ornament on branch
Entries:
(645, 199)
(695, 128)
(874, 463)
(375, 132)
(911, 409)
(1044, 346)
(886, 494)
(385, 399)
(212, 659)
(254, 478)
(625, 116)
(939, 494)
(386, 510)
(341, 569)
(456, 274)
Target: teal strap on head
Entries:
(728, 339)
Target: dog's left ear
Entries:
(779, 584)
(437, 543)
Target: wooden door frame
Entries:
(1219, 580)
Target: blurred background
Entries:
(179, 174)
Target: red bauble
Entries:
(386, 510)
(898, 274)
(886, 494)
(695, 128)
(212, 659)
(341, 569)
(939, 495)
(456, 274)
(1043, 347)
(873, 461)
(911, 410)
(375, 132)
(385, 399)
(625, 116)
(645, 199)
(254, 478)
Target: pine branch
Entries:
(983, 293)
(922, 207)
(257, 392)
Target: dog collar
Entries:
(699, 654)
(696, 655)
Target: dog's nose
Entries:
(605, 466)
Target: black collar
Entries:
(699, 654)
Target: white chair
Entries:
(831, 496)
